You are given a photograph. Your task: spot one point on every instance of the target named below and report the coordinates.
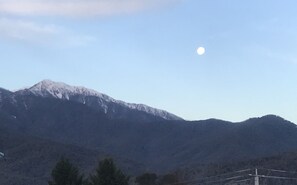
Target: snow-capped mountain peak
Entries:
(92, 98)
(61, 90)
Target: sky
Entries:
(144, 51)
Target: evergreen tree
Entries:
(65, 173)
(108, 174)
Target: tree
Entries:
(65, 173)
(146, 179)
(108, 174)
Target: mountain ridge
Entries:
(90, 97)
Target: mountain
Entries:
(159, 145)
(72, 119)
(115, 109)
(30, 160)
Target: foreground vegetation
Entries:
(65, 173)
(106, 173)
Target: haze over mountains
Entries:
(51, 119)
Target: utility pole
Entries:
(256, 177)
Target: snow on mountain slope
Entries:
(48, 88)
(62, 91)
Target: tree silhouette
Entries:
(65, 173)
(108, 174)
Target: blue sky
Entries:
(144, 51)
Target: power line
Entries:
(233, 178)
(277, 177)
(225, 179)
(281, 171)
(239, 181)
(211, 179)
(229, 173)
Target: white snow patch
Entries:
(48, 88)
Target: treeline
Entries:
(106, 173)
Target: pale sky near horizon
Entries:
(144, 51)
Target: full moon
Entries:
(200, 50)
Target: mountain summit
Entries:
(113, 108)
(48, 88)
